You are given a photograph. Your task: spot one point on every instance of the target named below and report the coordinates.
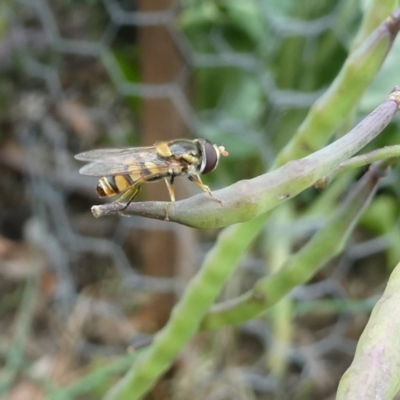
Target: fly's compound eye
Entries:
(210, 158)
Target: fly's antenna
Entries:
(222, 151)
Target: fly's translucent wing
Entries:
(103, 154)
(140, 161)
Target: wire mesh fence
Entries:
(81, 75)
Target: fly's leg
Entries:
(170, 186)
(130, 194)
(196, 180)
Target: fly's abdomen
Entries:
(113, 185)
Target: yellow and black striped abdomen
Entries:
(113, 185)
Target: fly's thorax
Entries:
(185, 147)
(163, 149)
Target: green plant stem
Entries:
(184, 322)
(278, 247)
(249, 199)
(324, 245)
(356, 74)
(365, 159)
(386, 153)
(375, 370)
(377, 11)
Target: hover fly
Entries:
(123, 171)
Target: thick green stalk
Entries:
(324, 245)
(375, 370)
(278, 248)
(375, 13)
(355, 76)
(249, 199)
(185, 319)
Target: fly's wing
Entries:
(136, 161)
(99, 155)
